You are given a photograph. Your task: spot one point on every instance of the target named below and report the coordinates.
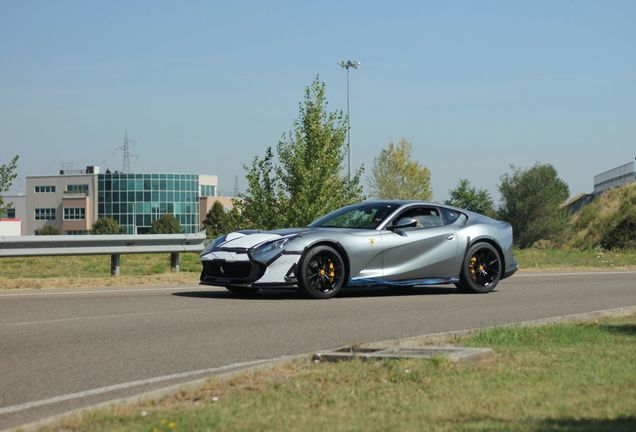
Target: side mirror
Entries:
(406, 222)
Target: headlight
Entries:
(269, 251)
(214, 243)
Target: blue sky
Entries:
(203, 87)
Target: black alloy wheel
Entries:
(321, 273)
(481, 270)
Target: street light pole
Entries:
(349, 64)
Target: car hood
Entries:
(251, 238)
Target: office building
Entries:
(73, 200)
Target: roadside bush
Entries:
(48, 230)
(107, 226)
(166, 224)
(531, 203)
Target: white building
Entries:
(13, 221)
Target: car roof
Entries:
(404, 202)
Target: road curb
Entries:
(266, 364)
(434, 338)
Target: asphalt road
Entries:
(64, 349)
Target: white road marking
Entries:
(589, 273)
(115, 291)
(122, 386)
(60, 320)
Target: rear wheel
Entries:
(481, 269)
(241, 291)
(321, 272)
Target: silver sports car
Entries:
(390, 243)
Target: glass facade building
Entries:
(135, 201)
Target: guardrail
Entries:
(113, 245)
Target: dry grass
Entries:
(94, 271)
(96, 282)
(595, 220)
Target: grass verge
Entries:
(94, 271)
(579, 377)
(564, 259)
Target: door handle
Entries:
(450, 237)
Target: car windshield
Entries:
(361, 216)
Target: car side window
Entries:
(426, 217)
(452, 215)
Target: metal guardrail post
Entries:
(115, 265)
(174, 262)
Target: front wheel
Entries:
(321, 272)
(481, 269)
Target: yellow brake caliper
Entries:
(473, 261)
(332, 272)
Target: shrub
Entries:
(48, 230)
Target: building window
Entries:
(74, 213)
(45, 189)
(77, 232)
(44, 214)
(79, 189)
(8, 214)
(207, 190)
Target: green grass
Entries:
(82, 271)
(579, 377)
(94, 265)
(546, 259)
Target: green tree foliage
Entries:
(107, 226)
(47, 230)
(531, 203)
(305, 182)
(215, 222)
(7, 175)
(166, 224)
(395, 175)
(260, 206)
(470, 198)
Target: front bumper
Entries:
(511, 268)
(235, 269)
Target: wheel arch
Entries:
(494, 244)
(339, 248)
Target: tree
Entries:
(166, 224)
(107, 226)
(395, 175)
(306, 181)
(7, 175)
(215, 220)
(531, 203)
(470, 198)
(47, 230)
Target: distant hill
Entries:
(608, 222)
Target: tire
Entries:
(321, 273)
(481, 270)
(242, 291)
